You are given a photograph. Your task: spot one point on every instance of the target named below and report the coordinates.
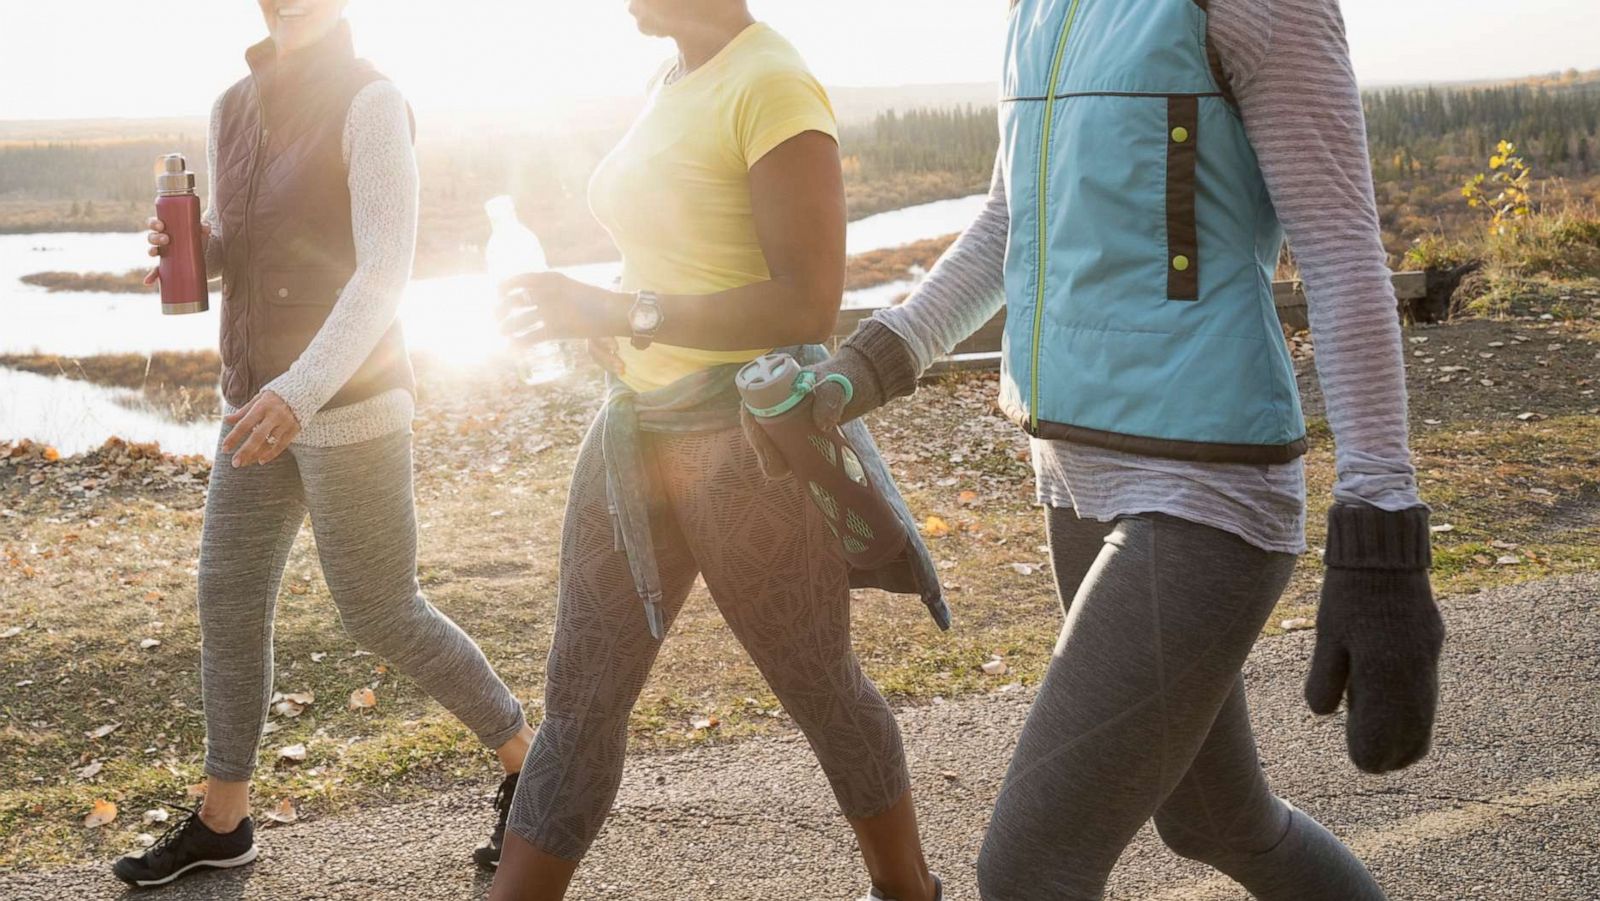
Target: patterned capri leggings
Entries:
(781, 586)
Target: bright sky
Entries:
(98, 58)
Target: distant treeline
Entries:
(1423, 131)
(952, 140)
(92, 172)
(1425, 142)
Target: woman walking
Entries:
(1150, 150)
(726, 201)
(311, 227)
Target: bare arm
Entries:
(797, 194)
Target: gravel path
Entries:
(1507, 807)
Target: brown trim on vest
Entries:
(1215, 60)
(1183, 234)
(1169, 448)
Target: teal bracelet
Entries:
(804, 384)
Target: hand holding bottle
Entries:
(159, 239)
(551, 306)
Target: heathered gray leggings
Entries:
(1143, 714)
(781, 585)
(362, 513)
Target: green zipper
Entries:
(1043, 203)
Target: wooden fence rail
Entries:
(982, 349)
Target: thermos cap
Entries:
(767, 381)
(175, 177)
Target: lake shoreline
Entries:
(863, 271)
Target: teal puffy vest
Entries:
(1143, 242)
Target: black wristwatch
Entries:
(645, 319)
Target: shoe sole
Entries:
(230, 863)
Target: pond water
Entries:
(448, 318)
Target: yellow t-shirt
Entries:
(675, 193)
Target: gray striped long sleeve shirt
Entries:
(1288, 62)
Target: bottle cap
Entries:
(768, 382)
(175, 177)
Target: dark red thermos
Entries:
(183, 260)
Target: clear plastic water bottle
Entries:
(513, 250)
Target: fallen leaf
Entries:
(1442, 527)
(270, 727)
(152, 595)
(1023, 569)
(12, 632)
(294, 704)
(968, 497)
(149, 643)
(363, 699)
(1508, 560)
(1298, 623)
(298, 589)
(705, 722)
(295, 753)
(100, 814)
(285, 813)
(994, 666)
(1503, 545)
(935, 527)
(155, 815)
(103, 731)
(91, 771)
(318, 656)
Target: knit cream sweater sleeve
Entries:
(383, 187)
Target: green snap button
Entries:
(1180, 263)
(1180, 134)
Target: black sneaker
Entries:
(487, 855)
(186, 846)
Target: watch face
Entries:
(646, 317)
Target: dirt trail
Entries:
(1505, 807)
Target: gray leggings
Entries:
(1143, 714)
(362, 513)
(779, 582)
